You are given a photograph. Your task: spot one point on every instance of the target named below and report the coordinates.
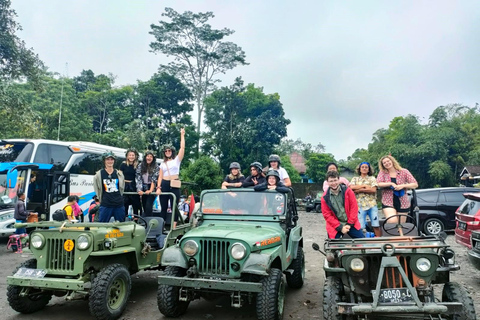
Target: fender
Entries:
(174, 256)
(259, 262)
(295, 240)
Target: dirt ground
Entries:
(305, 303)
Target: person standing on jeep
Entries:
(274, 163)
(109, 184)
(235, 178)
(332, 166)
(146, 178)
(129, 168)
(256, 176)
(340, 209)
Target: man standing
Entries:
(109, 184)
(340, 209)
(20, 214)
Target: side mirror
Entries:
(315, 246)
(12, 176)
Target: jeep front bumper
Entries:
(427, 308)
(47, 283)
(213, 284)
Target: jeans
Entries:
(106, 213)
(353, 233)
(20, 230)
(372, 213)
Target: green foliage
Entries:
(316, 164)
(199, 52)
(204, 173)
(292, 172)
(288, 146)
(243, 124)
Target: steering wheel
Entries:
(140, 220)
(398, 225)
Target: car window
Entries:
(454, 196)
(428, 196)
(469, 207)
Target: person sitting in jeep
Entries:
(340, 209)
(235, 178)
(273, 183)
(256, 177)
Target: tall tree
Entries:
(243, 124)
(199, 52)
(204, 173)
(288, 146)
(316, 164)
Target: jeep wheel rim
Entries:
(116, 294)
(434, 227)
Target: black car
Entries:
(437, 207)
(474, 253)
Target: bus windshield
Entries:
(15, 151)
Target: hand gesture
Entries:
(254, 180)
(182, 131)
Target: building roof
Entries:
(298, 162)
(470, 170)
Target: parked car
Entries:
(437, 208)
(468, 219)
(474, 253)
(313, 204)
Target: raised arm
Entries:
(181, 152)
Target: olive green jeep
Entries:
(244, 243)
(89, 260)
(396, 276)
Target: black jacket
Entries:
(248, 182)
(20, 213)
(280, 187)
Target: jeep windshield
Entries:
(243, 203)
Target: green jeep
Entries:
(392, 277)
(243, 244)
(89, 260)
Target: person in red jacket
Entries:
(340, 209)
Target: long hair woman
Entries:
(129, 168)
(146, 179)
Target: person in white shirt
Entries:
(274, 164)
(170, 170)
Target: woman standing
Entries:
(365, 188)
(274, 163)
(235, 178)
(170, 170)
(395, 182)
(146, 180)
(129, 168)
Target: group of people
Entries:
(276, 177)
(345, 205)
(147, 178)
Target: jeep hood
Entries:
(249, 233)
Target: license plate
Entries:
(477, 244)
(395, 295)
(30, 273)
(462, 225)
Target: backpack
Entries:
(59, 215)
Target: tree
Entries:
(316, 164)
(292, 172)
(288, 146)
(243, 124)
(204, 173)
(199, 52)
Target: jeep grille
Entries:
(214, 257)
(58, 258)
(392, 277)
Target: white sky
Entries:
(343, 69)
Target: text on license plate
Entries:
(395, 295)
(30, 273)
(462, 225)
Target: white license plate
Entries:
(395, 295)
(30, 273)
(462, 225)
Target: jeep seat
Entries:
(154, 232)
(394, 230)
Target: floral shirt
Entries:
(365, 200)
(403, 176)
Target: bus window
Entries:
(52, 154)
(15, 151)
(87, 164)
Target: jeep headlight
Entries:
(238, 251)
(83, 242)
(37, 241)
(190, 248)
(357, 264)
(423, 264)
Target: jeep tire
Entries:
(35, 301)
(296, 278)
(110, 292)
(168, 296)
(454, 292)
(271, 301)
(332, 290)
(318, 208)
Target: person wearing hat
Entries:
(108, 184)
(170, 170)
(146, 179)
(235, 178)
(274, 163)
(256, 175)
(272, 182)
(332, 166)
(129, 169)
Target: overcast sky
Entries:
(343, 69)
